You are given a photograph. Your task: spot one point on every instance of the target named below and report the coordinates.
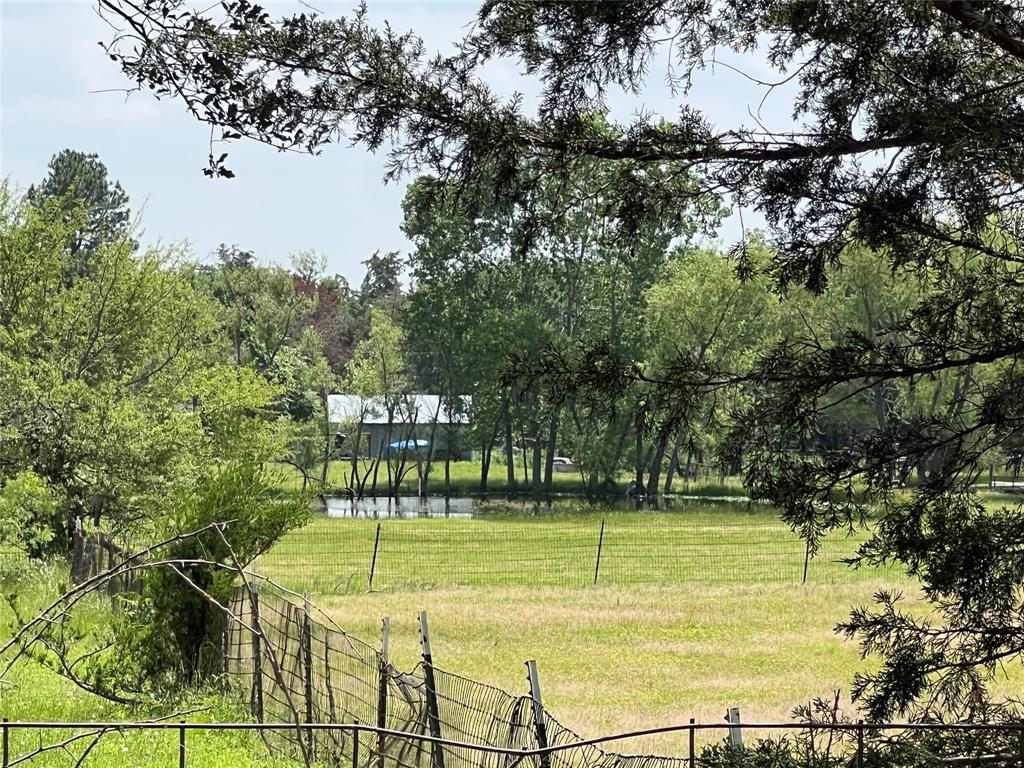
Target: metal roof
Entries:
(416, 409)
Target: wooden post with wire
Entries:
(433, 713)
(382, 689)
(735, 734)
(306, 639)
(807, 561)
(257, 656)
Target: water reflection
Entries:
(407, 507)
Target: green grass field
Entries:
(699, 610)
(698, 546)
(695, 610)
(623, 658)
(31, 692)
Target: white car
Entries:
(562, 464)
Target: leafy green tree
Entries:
(122, 413)
(378, 374)
(381, 283)
(79, 180)
(702, 317)
(27, 510)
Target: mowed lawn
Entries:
(723, 544)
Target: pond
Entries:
(456, 507)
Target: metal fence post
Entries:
(382, 689)
(807, 561)
(600, 545)
(5, 747)
(693, 744)
(860, 744)
(257, 656)
(181, 746)
(373, 562)
(539, 726)
(307, 664)
(355, 748)
(433, 713)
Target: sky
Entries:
(58, 89)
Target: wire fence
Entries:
(323, 697)
(341, 555)
(796, 745)
(297, 669)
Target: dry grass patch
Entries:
(614, 659)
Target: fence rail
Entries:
(865, 738)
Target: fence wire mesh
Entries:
(308, 672)
(342, 555)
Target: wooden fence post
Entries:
(600, 545)
(382, 689)
(78, 564)
(433, 713)
(257, 656)
(225, 644)
(735, 734)
(539, 726)
(306, 638)
(373, 562)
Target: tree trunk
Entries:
(325, 471)
(673, 462)
(639, 480)
(510, 459)
(549, 458)
(354, 481)
(485, 465)
(657, 457)
(535, 433)
(425, 477)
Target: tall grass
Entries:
(33, 692)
